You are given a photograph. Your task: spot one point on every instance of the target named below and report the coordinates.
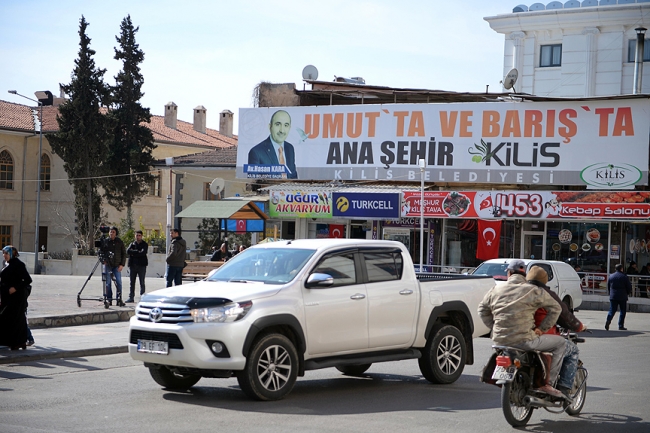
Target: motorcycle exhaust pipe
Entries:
(529, 400)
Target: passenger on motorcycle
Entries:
(509, 310)
(538, 276)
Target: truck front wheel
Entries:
(170, 380)
(271, 368)
(443, 358)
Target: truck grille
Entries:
(172, 339)
(171, 313)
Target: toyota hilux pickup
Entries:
(279, 309)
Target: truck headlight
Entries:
(223, 313)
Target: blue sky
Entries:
(213, 53)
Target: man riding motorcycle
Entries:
(509, 310)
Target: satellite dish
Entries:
(310, 72)
(510, 79)
(216, 186)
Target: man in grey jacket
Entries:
(175, 258)
(509, 310)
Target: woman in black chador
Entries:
(14, 280)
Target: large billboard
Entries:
(598, 144)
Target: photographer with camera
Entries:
(114, 254)
(138, 262)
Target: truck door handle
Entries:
(406, 292)
(358, 296)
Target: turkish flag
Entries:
(336, 230)
(486, 203)
(241, 226)
(489, 236)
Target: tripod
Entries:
(119, 302)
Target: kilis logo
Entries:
(342, 204)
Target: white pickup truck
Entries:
(279, 309)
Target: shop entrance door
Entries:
(533, 245)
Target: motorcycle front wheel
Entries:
(580, 391)
(512, 402)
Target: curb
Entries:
(33, 355)
(80, 319)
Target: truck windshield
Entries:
(495, 270)
(263, 265)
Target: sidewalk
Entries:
(53, 311)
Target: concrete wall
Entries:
(83, 265)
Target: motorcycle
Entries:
(519, 373)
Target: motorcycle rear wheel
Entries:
(512, 402)
(579, 401)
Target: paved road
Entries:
(113, 393)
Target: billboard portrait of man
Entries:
(274, 150)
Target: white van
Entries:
(562, 278)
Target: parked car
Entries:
(276, 310)
(562, 278)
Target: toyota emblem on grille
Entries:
(156, 314)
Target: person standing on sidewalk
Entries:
(175, 258)
(14, 280)
(115, 261)
(138, 263)
(619, 288)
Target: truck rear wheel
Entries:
(443, 358)
(170, 380)
(271, 368)
(353, 370)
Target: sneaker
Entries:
(130, 300)
(548, 389)
(607, 326)
(622, 328)
(30, 342)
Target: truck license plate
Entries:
(149, 346)
(503, 373)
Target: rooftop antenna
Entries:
(310, 72)
(510, 80)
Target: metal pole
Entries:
(37, 267)
(638, 59)
(422, 165)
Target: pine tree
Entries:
(129, 158)
(82, 137)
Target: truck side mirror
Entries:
(319, 280)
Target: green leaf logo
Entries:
(480, 152)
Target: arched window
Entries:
(46, 169)
(6, 170)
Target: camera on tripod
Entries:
(101, 244)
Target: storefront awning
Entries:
(228, 208)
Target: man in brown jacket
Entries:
(509, 310)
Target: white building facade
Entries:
(575, 49)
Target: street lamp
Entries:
(422, 166)
(37, 267)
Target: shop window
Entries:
(631, 51)
(5, 235)
(46, 169)
(6, 170)
(584, 244)
(550, 56)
